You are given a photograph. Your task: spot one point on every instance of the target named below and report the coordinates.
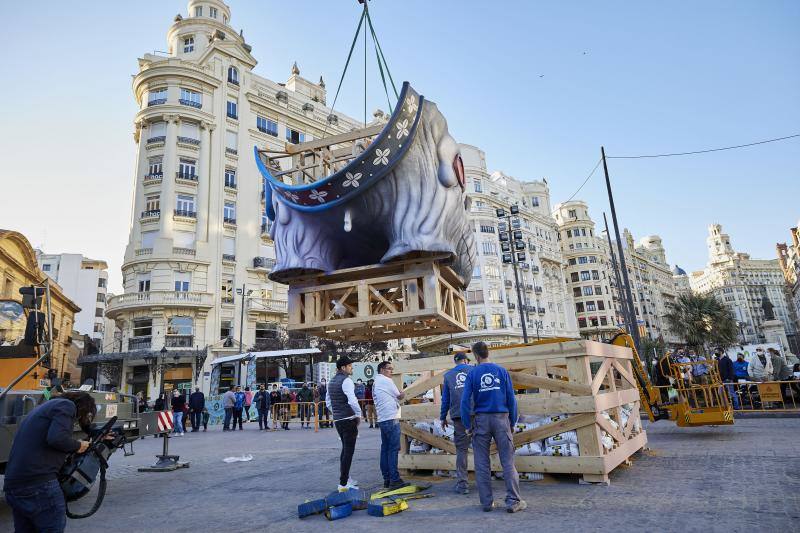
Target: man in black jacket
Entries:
(197, 401)
(728, 376)
(40, 447)
(261, 401)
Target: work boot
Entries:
(517, 507)
(385, 483)
(399, 484)
(462, 489)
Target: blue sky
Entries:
(538, 86)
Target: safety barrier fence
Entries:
(368, 411)
(286, 413)
(745, 396)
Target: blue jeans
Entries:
(38, 508)
(733, 395)
(178, 419)
(390, 447)
(228, 415)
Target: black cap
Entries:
(460, 356)
(343, 361)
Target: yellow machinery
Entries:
(694, 404)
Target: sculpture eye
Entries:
(458, 168)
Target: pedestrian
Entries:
(206, 416)
(197, 402)
(699, 369)
(489, 390)
(740, 367)
(305, 397)
(287, 399)
(159, 403)
(760, 366)
(178, 403)
(341, 400)
(274, 400)
(360, 392)
(248, 401)
(727, 374)
(452, 391)
(387, 404)
(42, 442)
(228, 401)
(185, 416)
(261, 400)
(238, 407)
(322, 392)
(369, 403)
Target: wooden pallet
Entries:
(409, 298)
(563, 374)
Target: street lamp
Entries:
(512, 247)
(244, 293)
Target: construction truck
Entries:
(25, 348)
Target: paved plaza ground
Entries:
(740, 478)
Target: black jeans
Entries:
(197, 416)
(348, 432)
(305, 413)
(262, 418)
(38, 508)
(237, 415)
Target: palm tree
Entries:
(701, 320)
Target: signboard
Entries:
(770, 392)
(362, 371)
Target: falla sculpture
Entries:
(387, 192)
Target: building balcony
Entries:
(266, 263)
(262, 129)
(185, 176)
(153, 177)
(188, 140)
(232, 151)
(537, 290)
(179, 341)
(266, 305)
(508, 283)
(229, 258)
(177, 250)
(511, 305)
(156, 140)
(229, 221)
(151, 214)
(265, 227)
(157, 101)
(186, 214)
(191, 103)
(143, 251)
(535, 269)
(230, 184)
(139, 300)
(234, 116)
(233, 81)
(542, 310)
(140, 343)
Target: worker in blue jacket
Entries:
(488, 390)
(452, 391)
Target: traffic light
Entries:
(517, 235)
(507, 258)
(502, 226)
(520, 256)
(505, 247)
(515, 223)
(515, 209)
(501, 213)
(519, 245)
(503, 236)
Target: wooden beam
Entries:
(606, 426)
(423, 385)
(625, 374)
(597, 382)
(527, 381)
(614, 399)
(624, 451)
(427, 437)
(553, 428)
(524, 463)
(334, 139)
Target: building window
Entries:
(179, 332)
(226, 290)
(587, 291)
(601, 306)
(477, 322)
(574, 277)
(265, 125)
(142, 327)
(572, 213)
(569, 233)
(585, 275)
(229, 212)
(152, 203)
(590, 306)
(157, 96)
(101, 298)
(475, 297)
(595, 275)
(231, 142)
(187, 169)
(182, 281)
(603, 321)
(184, 205)
(493, 271)
(229, 248)
(487, 228)
(225, 19)
(571, 261)
(198, 11)
(489, 248)
(534, 201)
(230, 178)
(495, 297)
(266, 330)
(579, 307)
(498, 321)
(101, 282)
(592, 259)
(190, 98)
(149, 238)
(476, 272)
(188, 44)
(143, 280)
(576, 291)
(98, 312)
(477, 185)
(294, 136)
(233, 75)
(233, 109)
(581, 322)
(46, 267)
(582, 260)
(226, 329)
(156, 168)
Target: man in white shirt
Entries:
(387, 405)
(343, 404)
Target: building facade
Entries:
(85, 282)
(743, 284)
(493, 308)
(199, 251)
(789, 260)
(19, 268)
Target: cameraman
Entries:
(41, 445)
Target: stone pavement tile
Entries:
(715, 479)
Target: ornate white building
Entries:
(199, 252)
(742, 283)
(789, 259)
(492, 304)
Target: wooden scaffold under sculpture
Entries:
(370, 227)
(583, 386)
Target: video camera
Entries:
(79, 473)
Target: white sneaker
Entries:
(342, 488)
(351, 483)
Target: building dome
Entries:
(678, 271)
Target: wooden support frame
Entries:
(410, 298)
(567, 384)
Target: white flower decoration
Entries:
(351, 180)
(402, 129)
(411, 102)
(291, 196)
(381, 157)
(318, 195)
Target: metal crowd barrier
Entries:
(289, 412)
(745, 396)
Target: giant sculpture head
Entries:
(403, 196)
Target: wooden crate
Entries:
(409, 298)
(563, 374)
